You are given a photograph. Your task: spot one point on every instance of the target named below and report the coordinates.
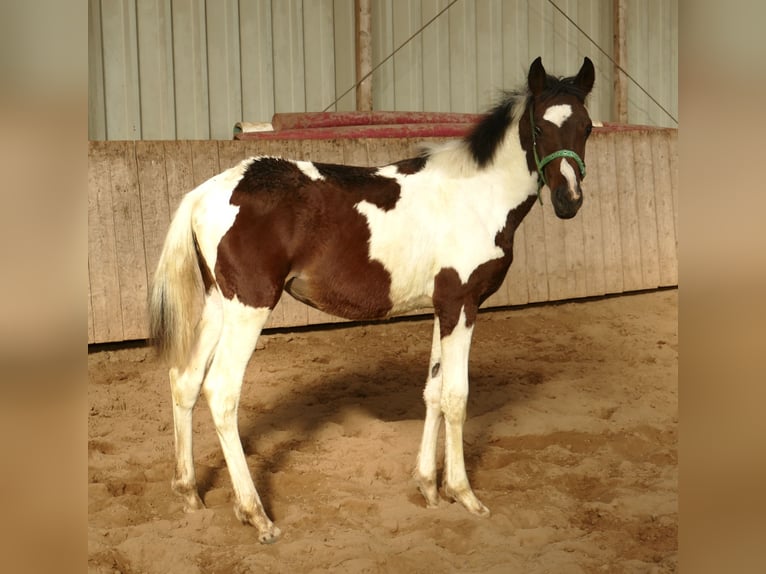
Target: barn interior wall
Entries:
(191, 69)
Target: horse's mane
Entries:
(484, 139)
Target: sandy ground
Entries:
(570, 440)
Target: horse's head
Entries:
(554, 131)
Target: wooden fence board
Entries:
(610, 217)
(204, 161)
(103, 274)
(537, 272)
(628, 210)
(129, 239)
(516, 283)
(647, 212)
(673, 156)
(625, 237)
(559, 286)
(178, 170)
(153, 191)
(590, 212)
(666, 229)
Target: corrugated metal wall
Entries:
(190, 69)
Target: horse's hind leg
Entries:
(241, 327)
(185, 385)
(425, 472)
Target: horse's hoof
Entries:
(468, 499)
(270, 536)
(429, 491)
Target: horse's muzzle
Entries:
(564, 204)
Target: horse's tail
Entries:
(175, 287)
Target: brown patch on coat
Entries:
(451, 295)
(292, 227)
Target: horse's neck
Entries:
(510, 164)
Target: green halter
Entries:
(549, 158)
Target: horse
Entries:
(362, 243)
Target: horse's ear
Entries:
(586, 76)
(536, 78)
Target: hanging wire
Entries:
(600, 49)
(552, 3)
(392, 54)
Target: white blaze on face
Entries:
(558, 114)
(569, 174)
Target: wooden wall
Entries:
(623, 239)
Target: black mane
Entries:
(489, 133)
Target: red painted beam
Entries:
(283, 121)
(363, 131)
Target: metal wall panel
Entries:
(190, 69)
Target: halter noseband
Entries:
(550, 157)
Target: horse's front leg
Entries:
(425, 472)
(455, 346)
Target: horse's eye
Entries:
(538, 131)
(588, 130)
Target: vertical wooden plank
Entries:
(647, 209)
(516, 48)
(462, 27)
(91, 332)
(595, 16)
(319, 55)
(537, 272)
(673, 156)
(102, 247)
(540, 39)
(204, 161)
(619, 49)
(121, 80)
(224, 77)
(155, 208)
(96, 98)
(408, 62)
(355, 152)
(666, 229)
(129, 240)
(489, 52)
(555, 252)
(590, 212)
(628, 210)
(257, 59)
(178, 171)
(517, 282)
(288, 51)
(155, 65)
(435, 54)
(610, 212)
(574, 256)
(382, 46)
(385, 151)
(344, 53)
(230, 153)
(190, 69)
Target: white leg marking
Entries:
(558, 114)
(455, 349)
(426, 466)
(185, 387)
(241, 327)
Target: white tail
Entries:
(175, 287)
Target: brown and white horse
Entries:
(361, 243)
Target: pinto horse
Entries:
(361, 243)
